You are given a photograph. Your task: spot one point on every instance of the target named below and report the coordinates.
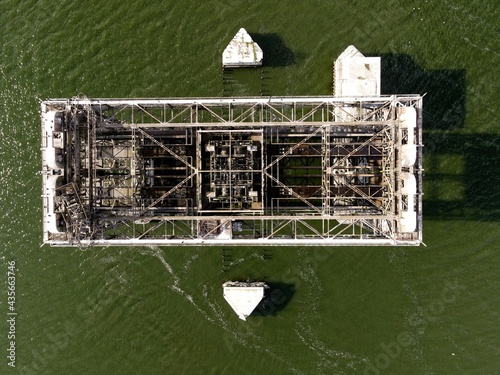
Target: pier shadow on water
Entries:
(444, 103)
(277, 297)
(276, 53)
(462, 170)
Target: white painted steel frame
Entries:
(311, 224)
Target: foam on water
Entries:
(328, 358)
(172, 48)
(215, 315)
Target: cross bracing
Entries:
(290, 170)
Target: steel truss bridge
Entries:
(223, 171)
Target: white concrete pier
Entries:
(356, 75)
(243, 297)
(242, 51)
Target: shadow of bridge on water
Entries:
(462, 170)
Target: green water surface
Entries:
(426, 310)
